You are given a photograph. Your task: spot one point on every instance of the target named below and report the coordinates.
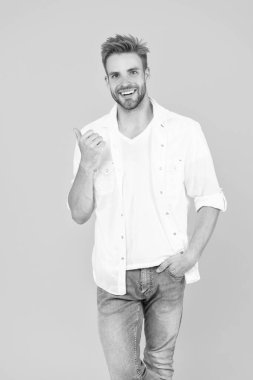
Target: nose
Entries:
(125, 81)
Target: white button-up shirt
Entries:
(181, 168)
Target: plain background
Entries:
(52, 80)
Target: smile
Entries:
(127, 92)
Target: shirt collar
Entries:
(158, 113)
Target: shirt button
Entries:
(121, 214)
(167, 213)
(161, 192)
(122, 258)
(122, 237)
(174, 233)
(162, 145)
(160, 168)
(162, 125)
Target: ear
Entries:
(147, 73)
(106, 80)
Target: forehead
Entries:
(123, 62)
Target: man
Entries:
(137, 167)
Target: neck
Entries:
(136, 119)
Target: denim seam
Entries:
(150, 288)
(151, 279)
(135, 345)
(179, 324)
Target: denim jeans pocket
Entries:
(172, 275)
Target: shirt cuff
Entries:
(216, 200)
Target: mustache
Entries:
(127, 88)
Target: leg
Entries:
(120, 324)
(120, 319)
(163, 313)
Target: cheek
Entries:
(142, 84)
(113, 89)
(112, 85)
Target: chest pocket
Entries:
(104, 181)
(174, 175)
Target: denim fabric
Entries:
(158, 299)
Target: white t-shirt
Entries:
(146, 242)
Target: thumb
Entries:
(77, 133)
(169, 260)
(164, 264)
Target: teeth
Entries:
(127, 92)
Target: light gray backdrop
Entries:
(52, 80)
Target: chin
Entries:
(130, 105)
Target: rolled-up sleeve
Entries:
(201, 182)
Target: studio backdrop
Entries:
(52, 81)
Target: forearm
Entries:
(81, 197)
(205, 223)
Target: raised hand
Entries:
(91, 146)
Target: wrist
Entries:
(192, 254)
(87, 167)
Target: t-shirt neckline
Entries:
(141, 134)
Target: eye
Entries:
(133, 72)
(113, 76)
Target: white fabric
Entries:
(181, 167)
(146, 242)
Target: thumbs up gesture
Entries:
(91, 146)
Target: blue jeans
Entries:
(156, 297)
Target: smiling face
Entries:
(126, 79)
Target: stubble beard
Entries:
(130, 104)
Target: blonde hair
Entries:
(124, 44)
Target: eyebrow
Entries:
(131, 69)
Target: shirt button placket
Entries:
(122, 238)
(160, 167)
